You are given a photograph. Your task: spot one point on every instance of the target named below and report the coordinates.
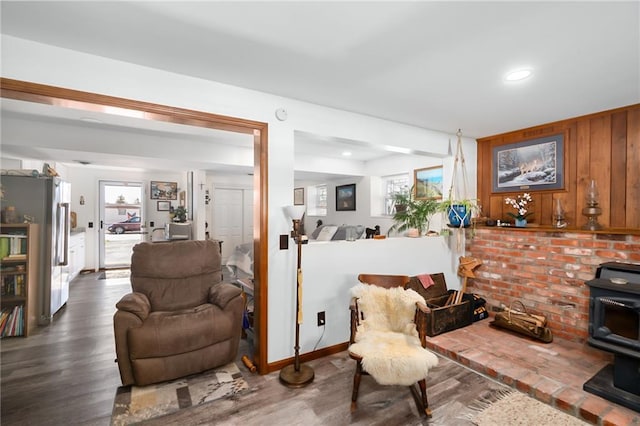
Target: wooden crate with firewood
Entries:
(446, 313)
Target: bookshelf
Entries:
(18, 278)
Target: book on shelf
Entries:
(15, 257)
(17, 322)
(19, 328)
(4, 317)
(12, 321)
(5, 244)
(13, 246)
(13, 285)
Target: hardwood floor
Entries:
(327, 400)
(65, 374)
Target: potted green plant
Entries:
(458, 208)
(401, 200)
(413, 215)
(180, 214)
(458, 212)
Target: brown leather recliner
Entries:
(180, 318)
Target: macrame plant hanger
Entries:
(454, 190)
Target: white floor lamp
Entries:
(296, 375)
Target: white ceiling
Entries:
(437, 65)
(74, 136)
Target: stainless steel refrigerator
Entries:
(47, 201)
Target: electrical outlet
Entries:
(321, 319)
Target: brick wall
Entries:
(546, 270)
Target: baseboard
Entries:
(309, 356)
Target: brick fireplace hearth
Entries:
(546, 270)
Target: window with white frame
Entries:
(392, 185)
(317, 200)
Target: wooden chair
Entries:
(386, 281)
(357, 316)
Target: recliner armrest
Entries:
(136, 303)
(223, 293)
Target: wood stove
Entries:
(614, 326)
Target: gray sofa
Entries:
(335, 232)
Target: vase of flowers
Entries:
(520, 223)
(521, 204)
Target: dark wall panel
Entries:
(604, 146)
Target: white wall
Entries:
(85, 181)
(35, 62)
(10, 163)
(368, 201)
(331, 268)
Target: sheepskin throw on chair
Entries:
(387, 339)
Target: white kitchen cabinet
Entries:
(76, 254)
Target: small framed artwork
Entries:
(428, 183)
(532, 165)
(298, 196)
(164, 190)
(346, 197)
(164, 206)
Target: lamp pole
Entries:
(296, 375)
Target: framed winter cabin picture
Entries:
(532, 165)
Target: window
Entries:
(392, 185)
(317, 200)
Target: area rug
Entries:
(134, 404)
(515, 408)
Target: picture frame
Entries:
(346, 197)
(164, 190)
(427, 183)
(298, 196)
(531, 165)
(164, 206)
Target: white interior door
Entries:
(228, 219)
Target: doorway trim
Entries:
(87, 101)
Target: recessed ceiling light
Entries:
(518, 75)
(346, 153)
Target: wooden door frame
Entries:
(58, 96)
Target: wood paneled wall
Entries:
(604, 146)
